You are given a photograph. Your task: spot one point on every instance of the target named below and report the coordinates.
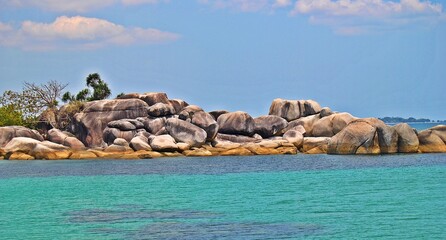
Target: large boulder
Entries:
(187, 112)
(293, 109)
(407, 138)
(235, 138)
(178, 104)
(315, 145)
(160, 110)
(205, 121)
(10, 132)
(365, 136)
(126, 124)
(150, 98)
(295, 137)
(110, 134)
(238, 123)
(154, 125)
(306, 122)
(433, 140)
(65, 138)
(330, 125)
(215, 114)
(88, 125)
(186, 132)
(37, 149)
(268, 126)
(140, 142)
(163, 143)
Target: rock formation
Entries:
(152, 125)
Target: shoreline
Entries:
(150, 125)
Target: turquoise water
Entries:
(269, 197)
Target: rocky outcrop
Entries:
(89, 125)
(293, 109)
(236, 123)
(150, 98)
(235, 138)
(268, 126)
(407, 138)
(110, 134)
(10, 132)
(119, 145)
(329, 126)
(140, 142)
(187, 112)
(126, 124)
(315, 145)
(206, 122)
(186, 132)
(163, 143)
(365, 136)
(154, 126)
(160, 110)
(306, 122)
(37, 149)
(217, 113)
(65, 138)
(295, 137)
(433, 140)
(178, 104)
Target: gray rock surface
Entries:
(293, 109)
(89, 125)
(236, 123)
(186, 132)
(268, 126)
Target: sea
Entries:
(257, 197)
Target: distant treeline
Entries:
(408, 120)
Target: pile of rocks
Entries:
(152, 125)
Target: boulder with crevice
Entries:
(110, 134)
(293, 109)
(407, 138)
(330, 125)
(365, 136)
(270, 125)
(65, 138)
(10, 132)
(236, 123)
(186, 132)
(206, 122)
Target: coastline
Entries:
(150, 125)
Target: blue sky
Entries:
(367, 57)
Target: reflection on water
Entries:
(183, 224)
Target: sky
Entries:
(372, 58)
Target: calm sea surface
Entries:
(262, 197)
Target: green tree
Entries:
(10, 116)
(32, 101)
(99, 90)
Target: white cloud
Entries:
(73, 5)
(78, 33)
(360, 16)
(247, 5)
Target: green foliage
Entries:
(99, 90)
(10, 116)
(120, 95)
(29, 104)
